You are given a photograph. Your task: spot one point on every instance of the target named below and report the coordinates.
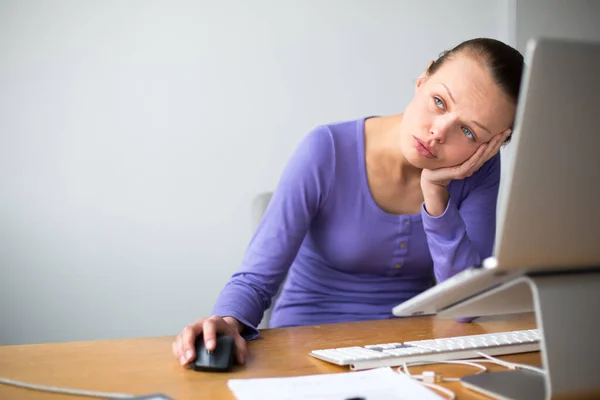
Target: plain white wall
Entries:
(573, 19)
(134, 135)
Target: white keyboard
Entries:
(454, 348)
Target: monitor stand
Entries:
(567, 312)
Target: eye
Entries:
(468, 133)
(439, 103)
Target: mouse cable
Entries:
(55, 389)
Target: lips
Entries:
(423, 149)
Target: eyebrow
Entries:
(454, 101)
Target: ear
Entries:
(423, 77)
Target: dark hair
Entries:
(503, 61)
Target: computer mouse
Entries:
(221, 359)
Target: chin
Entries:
(418, 161)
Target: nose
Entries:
(440, 128)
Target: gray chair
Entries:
(259, 206)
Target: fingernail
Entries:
(182, 360)
(188, 354)
(210, 343)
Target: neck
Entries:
(391, 152)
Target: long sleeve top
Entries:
(342, 257)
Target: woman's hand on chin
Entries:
(434, 182)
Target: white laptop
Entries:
(549, 205)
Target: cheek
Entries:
(421, 111)
(457, 155)
(418, 111)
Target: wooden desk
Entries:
(146, 365)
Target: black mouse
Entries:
(221, 359)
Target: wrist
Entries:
(436, 199)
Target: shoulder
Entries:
(318, 141)
(326, 140)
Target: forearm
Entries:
(460, 219)
(241, 304)
(450, 247)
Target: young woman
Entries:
(368, 213)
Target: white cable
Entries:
(497, 360)
(530, 368)
(406, 371)
(512, 365)
(403, 369)
(450, 393)
(55, 389)
(471, 363)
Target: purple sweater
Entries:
(345, 258)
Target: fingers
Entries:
(497, 142)
(464, 170)
(215, 325)
(211, 327)
(240, 343)
(486, 153)
(241, 349)
(479, 155)
(183, 346)
(483, 153)
(467, 168)
(494, 145)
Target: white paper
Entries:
(375, 384)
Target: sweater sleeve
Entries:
(464, 234)
(302, 190)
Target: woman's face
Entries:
(452, 113)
